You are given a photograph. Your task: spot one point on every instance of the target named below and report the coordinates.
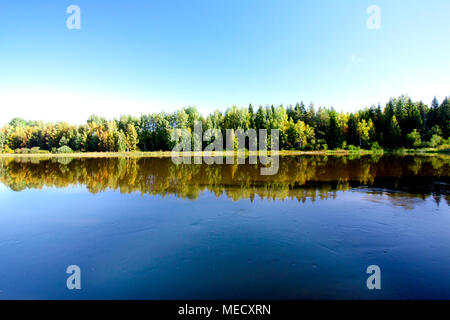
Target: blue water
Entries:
(133, 246)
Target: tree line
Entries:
(401, 123)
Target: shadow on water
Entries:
(401, 178)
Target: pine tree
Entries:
(251, 116)
(395, 132)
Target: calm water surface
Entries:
(145, 228)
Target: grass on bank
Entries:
(445, 149)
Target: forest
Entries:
(401, 123)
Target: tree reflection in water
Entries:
(404, 179)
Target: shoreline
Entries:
(168, 154)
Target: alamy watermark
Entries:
(74, 20)
(235, 140)
(374, 20)
(374, 281)
(74, 280)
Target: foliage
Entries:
(374, 146)
(435, 141)
(64, 149)
(414, 139)
(402, 123)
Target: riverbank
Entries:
(168, 154)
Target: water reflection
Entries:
(404, 179)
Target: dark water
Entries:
(148, 229)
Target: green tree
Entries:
(121, 142)
(18, 138)
(236, 118)
(2, 139)
(435, 141)
(261, 118)
(365, 131)
(414, 140)
(18, 123)
(132, 138)
(307, 136)
(63, 141)
(162, 133)
(334, 132)
(394, 132)
(289, 135)
(251, 116)
(443, 117)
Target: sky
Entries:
(144, 56)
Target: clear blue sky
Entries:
(139, 56)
